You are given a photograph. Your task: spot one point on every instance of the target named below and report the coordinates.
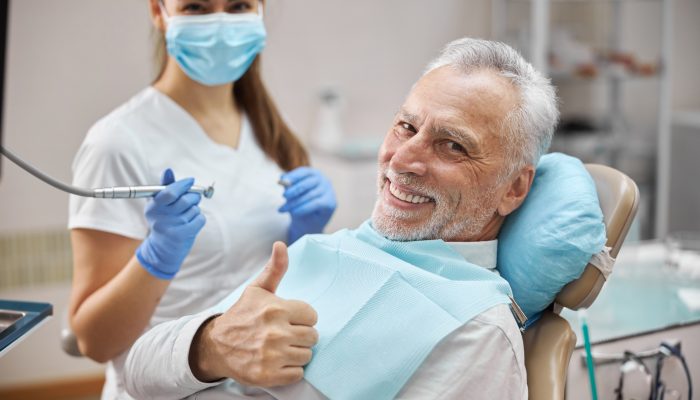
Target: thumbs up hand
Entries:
(271, 276)
(262, 340)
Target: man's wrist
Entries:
(202, 357)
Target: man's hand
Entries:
(262, 340)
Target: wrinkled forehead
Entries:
(480, 100)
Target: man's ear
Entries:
(517, 190)
(156, 15)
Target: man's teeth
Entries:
(411, 198)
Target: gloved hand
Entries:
(310, 202)
(175, 220)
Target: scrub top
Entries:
(133, 145)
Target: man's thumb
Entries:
(274, 271)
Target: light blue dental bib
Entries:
(382, 306)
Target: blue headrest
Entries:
(548, 241)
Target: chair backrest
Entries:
(550, 341)
(619, 197)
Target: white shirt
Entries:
(483, 359)
(133, 145)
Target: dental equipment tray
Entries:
(18, 318)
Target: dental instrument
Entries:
(118, 192)
(583, 319)
(284, 182)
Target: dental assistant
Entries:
(207, 117)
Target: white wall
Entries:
(686, 55)
(371, 50)
(69, 62)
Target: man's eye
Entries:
(407, 128)
(456, 147)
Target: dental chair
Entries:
(550, 342)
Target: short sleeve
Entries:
(110, 156)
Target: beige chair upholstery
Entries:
(550, 342)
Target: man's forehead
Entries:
(479, 97)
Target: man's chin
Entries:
(399, 229)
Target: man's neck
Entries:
(489, 232)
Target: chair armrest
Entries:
(549, 344)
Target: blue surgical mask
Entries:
(215, 49)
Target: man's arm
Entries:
(262, 340)
(482, 359)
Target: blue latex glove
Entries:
(310, 202)
(175, 220)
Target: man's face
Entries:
(441, 162)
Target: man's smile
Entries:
(403, 197)
(407, 197)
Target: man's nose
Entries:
(411, 156)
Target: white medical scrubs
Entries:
(133, 145)
(483, 359)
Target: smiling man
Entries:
(443, 165)
(408, 305)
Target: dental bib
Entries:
(382, 306)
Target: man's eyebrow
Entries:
(410, 118)
(463, 136)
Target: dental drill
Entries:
(119, 192)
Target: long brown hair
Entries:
(274, 136)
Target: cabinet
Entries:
(602, 71)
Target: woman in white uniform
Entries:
(208, 117)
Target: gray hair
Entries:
(528, 129)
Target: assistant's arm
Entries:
(119, 281)
(113, 297)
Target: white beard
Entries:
(446, 222)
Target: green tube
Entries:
(589, 357)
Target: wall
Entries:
(69, 62)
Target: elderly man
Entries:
(458, 158)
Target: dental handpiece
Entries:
(137, 192)
(119, 192)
